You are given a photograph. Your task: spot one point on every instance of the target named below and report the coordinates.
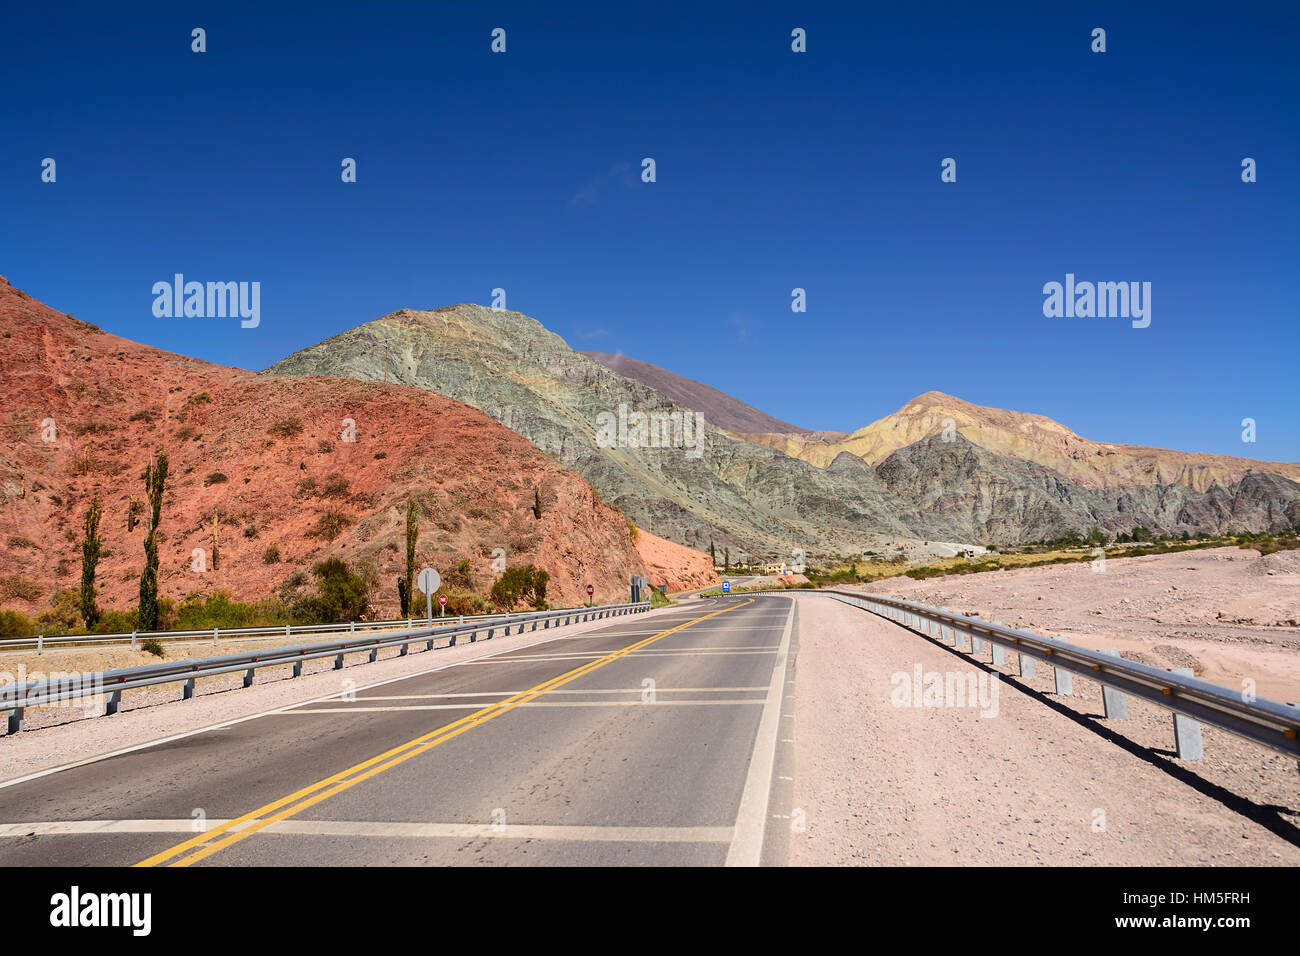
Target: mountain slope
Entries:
(1029, 437)
(718, 407)
(1001, 477)
(734, 492)
(960, 491)
(107, 403)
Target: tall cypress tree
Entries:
(155, 476)
(90, 546)
(406, 585)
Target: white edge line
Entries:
(751, 821)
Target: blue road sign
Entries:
(726, 587)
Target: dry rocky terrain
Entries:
(314, 467)
(1037, 779)
(1228, 613)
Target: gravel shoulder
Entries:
(1041, 779)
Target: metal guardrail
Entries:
(1193, 701)
(41, 642)
(90, 687)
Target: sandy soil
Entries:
(55, 736)
(1045, 780)
(1230, 614)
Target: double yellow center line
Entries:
(232, 831)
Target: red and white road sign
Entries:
(590, 590)
(442, 599)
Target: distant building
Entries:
(775, 568)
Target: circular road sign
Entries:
(429, 580)
(590, 590)
(442, 599)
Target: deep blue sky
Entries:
(775, 170)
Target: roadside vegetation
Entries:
(1069, 549)
(333, 591)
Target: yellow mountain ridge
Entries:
(1029, 437)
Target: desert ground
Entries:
(1036, 778)
(1230, 614)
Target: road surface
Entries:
(655, 740)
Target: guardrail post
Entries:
(114, 703)
(999, 652)
(248, 677)
(187, 689)
(1114, 704)
(133, 640)
(338, 663)
(15, 720)
(352, 626)
(402, 652)
(473, 636)
(490, 630)
(1187, 732)
(1063, 680)
(214, 637)
(374, 654)
(297, 668)
(40, 643)
(428, 645)
(1027, 666)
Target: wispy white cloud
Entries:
(618, 175)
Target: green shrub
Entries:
(20, 588)
(462, 602)
(336, 486)
(460, 577)
(285, 428)
(123, 622)
(329, 525)
(522, 583)
(341, 594)
(153, 646)
(14, 624)
(63, 616)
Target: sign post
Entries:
(429, 581)
(590, 592)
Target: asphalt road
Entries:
(653, 741)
